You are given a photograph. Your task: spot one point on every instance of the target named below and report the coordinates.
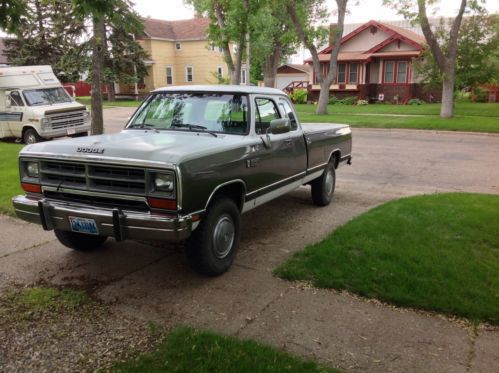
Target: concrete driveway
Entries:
(152, 281)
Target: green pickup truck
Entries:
(189, 162)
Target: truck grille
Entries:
(66, 120)
(100, 178)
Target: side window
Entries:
(15, 99)
(266, 111)
(289, 113)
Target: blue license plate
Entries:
(83, 225)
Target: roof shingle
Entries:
(188, 29)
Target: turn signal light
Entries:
(31, 188)
(162, 203)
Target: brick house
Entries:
(375, 62)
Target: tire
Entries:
(212, 247)
(30, 136)
(79, 241)
(323, 187)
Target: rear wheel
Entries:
(79, 241)
(213, 245)
(30, 136)
(323, 187)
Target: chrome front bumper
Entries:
(121, 225)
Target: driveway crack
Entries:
(473, 334)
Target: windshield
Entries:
(213, 112)
(46, 96)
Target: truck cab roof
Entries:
(244, 89)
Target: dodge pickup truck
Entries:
(188, 163)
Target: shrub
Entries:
(362, 102)
(462, 96)
(333, 100)
(299, 96)
(480, 95)
(350, 100)
(415, 101)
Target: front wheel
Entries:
(213, 245)
(79, 241)
(30, 136)
(323, 187)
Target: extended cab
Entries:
(190, 161)
(34, 106)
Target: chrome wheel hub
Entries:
(329, 183)
(223, 236)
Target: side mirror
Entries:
(278, 126)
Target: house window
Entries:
(389, 72)
(220, 72)
(169, 75)
(189, 74)
(178, 46)
(342, 71)
(243, 76)
(353, 74)
(402, 72)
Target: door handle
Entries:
(288, 142)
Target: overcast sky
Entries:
(365, 11)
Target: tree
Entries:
(11, 14)
(230, 24)
(273, 38)
(477, 58)
(50, 35)
(303, 15)
(445, 57)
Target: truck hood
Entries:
(170, 147)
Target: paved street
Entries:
(152, 281)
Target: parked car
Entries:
(190, 161)
(34, 106)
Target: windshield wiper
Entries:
(194, 127)
(141, 125)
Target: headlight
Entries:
(32, 169)
(86, 115)
(45, 122)
(164, 182)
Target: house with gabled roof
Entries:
(179, 54)
(375, 62)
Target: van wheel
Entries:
(30, 136)
(213, 245)
(323, 187)
(79, 241)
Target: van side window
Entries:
(289, 113)
(15, 99)
(266, 111)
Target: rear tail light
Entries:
(162, 203)
(31, 188)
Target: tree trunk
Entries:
(97, 66)
(447, 107)
(111, 95)
(236, 76)
(270, 66)
(323, 98)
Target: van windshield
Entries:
(212, 112)
(46, 96)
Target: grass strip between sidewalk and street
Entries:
(434, 252)
(188, 350)
(9, 182)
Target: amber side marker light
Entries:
(31, 188)
(162, 203)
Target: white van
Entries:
(34, 106)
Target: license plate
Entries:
(71, 131)
(83, 225)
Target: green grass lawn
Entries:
(120, 102)
(468, 116)
(436, 252)
(9, 182)
(187, 350)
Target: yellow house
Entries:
(180, 54)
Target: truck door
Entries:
(295, 136)
(274, 166)
(15, 113)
